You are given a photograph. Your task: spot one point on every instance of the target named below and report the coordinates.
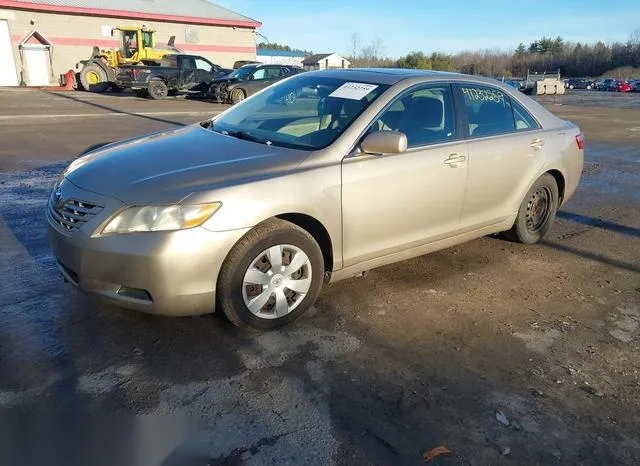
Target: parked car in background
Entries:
(515, 84)
(635, 84)
(176, 73)
(578, 83)
(247, 80)
(624, 86)
(610, 85)
(241, 63)
(251, 212)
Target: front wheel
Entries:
(271, 277)
(237, 96)
(537, 212)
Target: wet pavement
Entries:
(503, 353)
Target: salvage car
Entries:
(247, 80)
(179, 73)
(251, 212)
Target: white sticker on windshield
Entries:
(353, 91)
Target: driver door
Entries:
(203, 74)
(391, 203)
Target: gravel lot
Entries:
(503, 353)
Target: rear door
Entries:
(506, 151)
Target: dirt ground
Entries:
(502, 353)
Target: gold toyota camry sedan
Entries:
(317, 178)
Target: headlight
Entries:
(160, 218)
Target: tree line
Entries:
(545, 54)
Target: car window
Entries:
(188, 63)
(202, 64)
(523, 118)
(425, 116)
(273, 73)
(488, 110)
(259, 73)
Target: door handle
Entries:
(537, 144)
(454, 160)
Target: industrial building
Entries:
(325, 61)
(42, 39)
(280, 57)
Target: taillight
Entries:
(580, 141)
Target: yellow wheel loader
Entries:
(137, 45)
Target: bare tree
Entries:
(354, 44)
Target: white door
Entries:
(8, 76)
(37, 61)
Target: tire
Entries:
(528, 228)
(237, 96)
(94, 78)
(157, 89)
(252, 255)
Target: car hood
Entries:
(166, 167)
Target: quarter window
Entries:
(488, 111)
(424, 115)
(523, 119)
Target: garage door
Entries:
(8, 75)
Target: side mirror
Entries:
(384, 142)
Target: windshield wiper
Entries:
(244, 135)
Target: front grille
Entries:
(72, 213)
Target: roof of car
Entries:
(388, 76)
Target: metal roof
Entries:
(178, 11)
(313, 59)
(279, 53)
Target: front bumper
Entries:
(168, 273)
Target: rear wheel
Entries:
(94, 78)
(271, 277)
(537, 212)
(158, 89)
(237, 95)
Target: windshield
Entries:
(242, 72)
(304, 112)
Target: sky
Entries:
(445, 26)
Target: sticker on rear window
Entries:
(353, 91)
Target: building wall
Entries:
(280, 60)
(332, 61)
(73, 36)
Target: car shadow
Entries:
(115, 110)
(599, 223)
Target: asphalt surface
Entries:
(503, 353)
